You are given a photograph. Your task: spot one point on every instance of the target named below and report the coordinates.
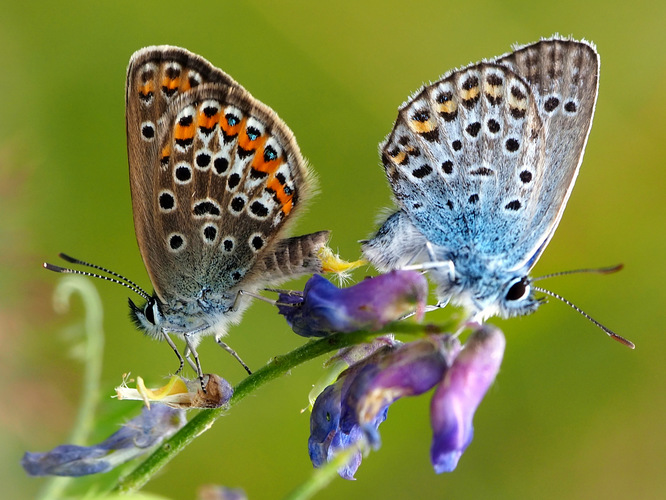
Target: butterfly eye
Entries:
(149, 313)
(518, 290)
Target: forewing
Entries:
(216, 180)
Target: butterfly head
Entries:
(148, 317)
(513, 297)
(486, 294)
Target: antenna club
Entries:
(624, 341)
(56, 269)
(66, 257)
(613, 269)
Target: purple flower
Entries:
(134, 438)
(322, 308)
(326, 436)
(460, 393)
(345, 358)
(349, 412)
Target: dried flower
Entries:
(181, 393)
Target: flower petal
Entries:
(460, 393)
(327, 437)
(410, 370)
(350, 411)
(345, 358)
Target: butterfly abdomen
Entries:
(293, 257)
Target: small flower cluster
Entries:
(181, 393)
(348, 413)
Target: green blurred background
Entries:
(572, 414)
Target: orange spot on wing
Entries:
(147, 88)
(470, 94)
(423, 127)
(273, 184)
(400, 157)
(492, 90)
(171, 83)
(184, 132)
(248, 144)
(285, 200)
(447, 107)
(205, 122)
(259, 164)
(166, 151)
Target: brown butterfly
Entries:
(216, 177)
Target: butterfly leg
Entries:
(441, 304)
(189, 359)
(431, 252)
(239, 296)
(175, 349)
(427, 310)
(234, 354)
(196, 365)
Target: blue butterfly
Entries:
(481, 164)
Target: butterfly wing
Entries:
(473, 160)
(215, 177)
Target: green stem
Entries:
(273, 369)
(92, 362)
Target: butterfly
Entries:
(481, 164)
(216, 178)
